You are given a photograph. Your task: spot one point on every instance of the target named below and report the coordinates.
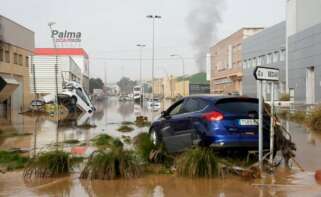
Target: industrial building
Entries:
(226, 62)
(72, 65)
(16, 47)
(171, 87)
(304, 50)
(266, 48)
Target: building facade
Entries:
(226, 62)
(72, 66)
(171, 87)
(266, 48)
(304, 50)
(16, 47)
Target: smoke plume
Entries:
(202, 21)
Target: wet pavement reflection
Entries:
(107, 118)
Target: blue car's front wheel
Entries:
(154, 137)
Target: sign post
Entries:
(263, 74)
(272, 124)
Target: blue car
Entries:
(219, 122)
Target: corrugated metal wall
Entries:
(45, 74)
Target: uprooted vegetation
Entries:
(311, 118)
(125, 128)
(150, 153)
(198, 162)
(111, 163)
(49, 164)
(142, 121)
(12, 161)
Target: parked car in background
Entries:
(219, 122)
(37, 105)
(153, 104)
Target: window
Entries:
(269, 58)
(1, 54)
(275, 56)
(259, 61)
(7, 56)
(262, 60)
(174, 110)
(81, 95)
(20, 60)
(27, 61)
(282, 55)
(249, 63)
(245, 64)
(254, 62)
(193, 105)
(238, 106)
(15, 58)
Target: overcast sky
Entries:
(112, 28)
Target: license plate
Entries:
(248, 122)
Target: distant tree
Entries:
(95, 83)
(126, 85)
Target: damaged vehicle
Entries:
(73, 97)
(218, 122)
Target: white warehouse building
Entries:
(72, 66)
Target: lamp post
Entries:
(153, 17)
(183, 69)
(50, 24)
(141, 46)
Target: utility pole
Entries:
(50, 24)
(141, 46)
(153, 17)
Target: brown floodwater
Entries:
(108, 117)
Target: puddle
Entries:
(107, 119)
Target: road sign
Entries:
(266, 74)
(261, 74)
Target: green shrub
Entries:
(125, 128)
(127, 123)
(283, 114)
(198, 162)
(142, 121)
(71, 141)
(49, 164)
(144, 146)
(12, 161)
(285, 97)
(102, 140)
(313, 120)
(111, 164)
(126, 139)
(298, 117)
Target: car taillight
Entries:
(213, 116)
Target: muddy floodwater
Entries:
(45, 131)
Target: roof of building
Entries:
(198, 78)
(60, 51)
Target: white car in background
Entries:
(153, 105)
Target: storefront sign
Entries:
(66, 36)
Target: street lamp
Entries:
(183, 65)
(141, 46)
(50, 24)
(153, 17)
